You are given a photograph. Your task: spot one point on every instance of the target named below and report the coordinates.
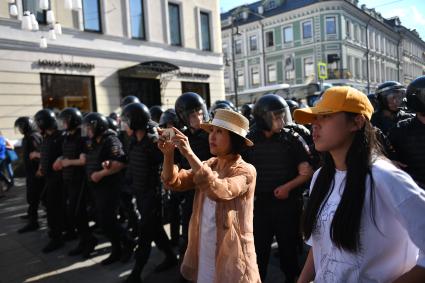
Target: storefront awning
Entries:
(151, 68)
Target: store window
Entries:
(61, 91)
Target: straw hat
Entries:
(229, 120)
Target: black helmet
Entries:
(388, 88)
(268, 105)
(114, 116)
(129, 99)
(136, 116)
(415, 95)
(25, 125)
(374, 101)
(113, 124)
(292, 104)
(156, 112)
(45, 119)
(221, 104)
(169, 116)
(246, 110)
(72, 117)
(188, 103)
(97, 122)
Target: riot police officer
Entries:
(168, 119)
(246, 110)
(221, 104)
(144, 159)
(192, 111)
(408, 137)
(282, 168)
(156, 112)
(51, 149)
(105, 159)
(31, 143)
(293, 105)
(72, 164)
(390, 97)
(171, 200)
(129, 99)
(127, 211)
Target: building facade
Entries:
(284, 42)
(154, 49)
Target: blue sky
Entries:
(411, 12)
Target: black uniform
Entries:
(304, 136)
(384, 123)
(143, 167)
(276, 160)
(127, 209)
(51, 149)
(75, 185)
(32, 142)
(106, 193)
(198, 141)
(408, 140)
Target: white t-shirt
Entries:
(386, 253)
(207, 243)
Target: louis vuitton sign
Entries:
(63, 64)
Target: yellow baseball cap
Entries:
(336, 99)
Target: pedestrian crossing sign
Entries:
(322, 70)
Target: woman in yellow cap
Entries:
(221, 243)
(365, 217)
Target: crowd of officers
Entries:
(106, 170)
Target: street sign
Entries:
(322, 70)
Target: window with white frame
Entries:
(383, 71)
(350, 65)
(137, 19)
(34, 8)
(226, 80)
(356, 33)
(377, 41)
(238, 46)
(288, 34)
(91, 15)
(269, 38)
(357, 68)
(255, 76)
(225, 50)
(205, 31)
(377, 70)
(253, 46)
(364, 69)
(289, 75)
(241, 79)
(307, 29)
(348, 29)
(174, 24)
(331, 25)
(308, 67)
(271, 73)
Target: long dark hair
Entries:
(345, 226)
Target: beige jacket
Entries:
(233, 190)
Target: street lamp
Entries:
(235, 79)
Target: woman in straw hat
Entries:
(365, 217)
(221, 243)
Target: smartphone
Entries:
(168, 134)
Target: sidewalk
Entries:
(21, 259)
